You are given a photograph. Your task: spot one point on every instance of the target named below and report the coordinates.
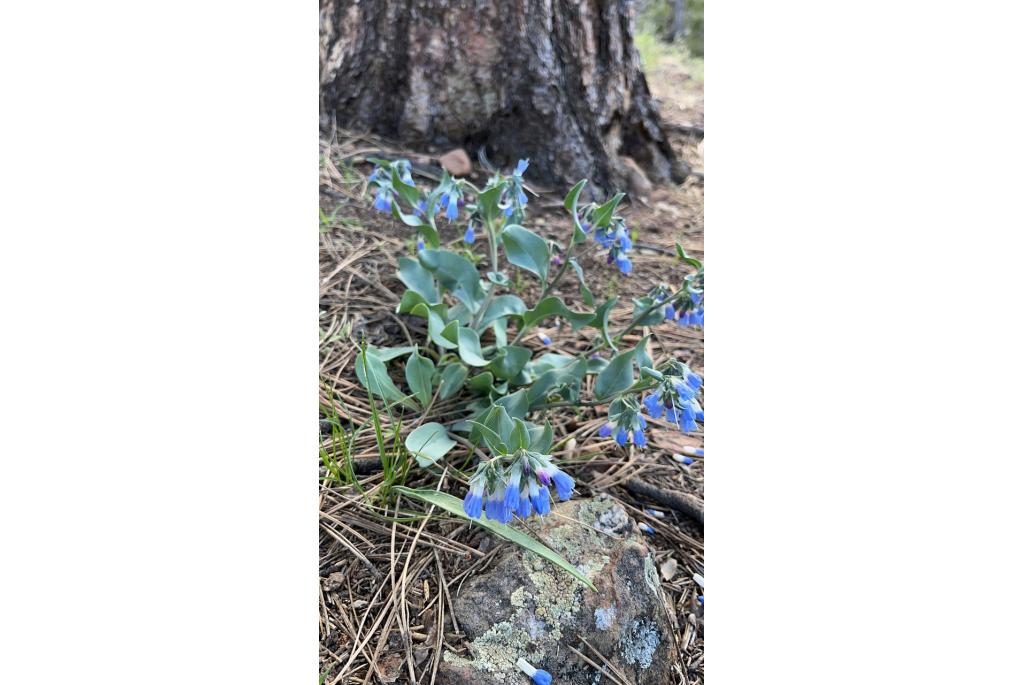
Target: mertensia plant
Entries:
(476, 325)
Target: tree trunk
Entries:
(557, 81)
(678, 27)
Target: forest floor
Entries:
(386, 582)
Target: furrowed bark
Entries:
(557, 81)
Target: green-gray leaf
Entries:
(469, 347)
(418, 374)
(642, 356)
(615, 377)
(386, 354)
(509, 361)
(457, 274)
(652, 318)
(436, 326)
(482, 382)
(541, 437)
(603, 214)
(373, 374)
(429, 443)
(588, 297)
(453, 505)
(527, 250)
(601, 320)
(500, 422)
(517, 404)
(418, 279)
(493, 441)
(553, 306)
(500, 306)
(520, 438)
(571, 202)
(452, 378)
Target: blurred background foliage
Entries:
(679, 23)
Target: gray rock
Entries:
(526, 607)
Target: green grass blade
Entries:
(453, 505)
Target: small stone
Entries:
(524, 607)
(456, 162)
(669, 568)
(334, 582)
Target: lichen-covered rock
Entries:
(526, 607)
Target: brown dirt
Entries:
(386, 584)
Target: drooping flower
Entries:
(470, 236)
(691, 310)
(450, 203)
(540, 498)
(521, 167)
(626, 422)
(675, 398)
(622, 261)
(383, 201)
(563, 482)
(496, 509)
(473, 503)
(511, 500)
(420, 245)
(545, 339)
(615, 238)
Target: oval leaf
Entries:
(418, 374)
(452, 378)
(615, 377)
(469, 347)
(418, 279)
(527, 250)
(428, 443)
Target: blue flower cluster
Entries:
(381, 179)
(522, 490)
(625, 422)
(516, 198)
(690, 313)
(615, 238)
(675, 399)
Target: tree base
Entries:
(559, 83)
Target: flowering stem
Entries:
(596, 403)
(493, 243)
(640, 317)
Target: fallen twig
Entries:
(681, 502)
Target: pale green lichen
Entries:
(496, 651)
(651, 574)
(519, 597)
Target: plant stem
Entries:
(493, 242)
(638, 318)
